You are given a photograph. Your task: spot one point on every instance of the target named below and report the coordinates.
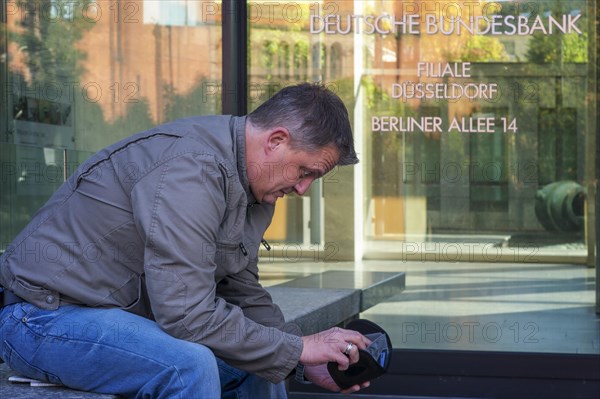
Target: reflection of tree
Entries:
(49, 42)
(461, 48)
(277, 51)
(136, 119)
(557, 142)
(558, 47)
(98, 133)
(47, 38)
(267, 59)
(480, 49)
(202, 99)
(300, 60)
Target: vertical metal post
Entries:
(597, 184)
(235, 55)
(596, 12)
(65, 164)
(5, 87)
(316, 189)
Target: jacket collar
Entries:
(238, 130)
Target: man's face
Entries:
(287, 170)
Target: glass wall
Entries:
(494, 165)
(77, 76)
(475, 123)
(478, 129)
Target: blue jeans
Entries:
(113, 351)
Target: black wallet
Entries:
(373, 361)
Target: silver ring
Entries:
(348, 349)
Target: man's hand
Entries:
(319, 375)
(333, 345)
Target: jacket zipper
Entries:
(266, 244)
(243, 248)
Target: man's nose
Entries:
(303, 185)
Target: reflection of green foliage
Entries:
(300, 60)
(575, 48)
(136, 119)
(375, 95)
(93, 131)
(558, 152)
(556, 48)
(543, 49)
(269, 51)
(481, 49)
(275, 45)
(463, 48)
(559, 47)
(344, 88)
(198, 101)
(49, 42)
(455, 143)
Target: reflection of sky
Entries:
(55, 8)
(171, 13)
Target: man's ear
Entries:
(277, 137)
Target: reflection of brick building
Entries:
(144, 53)
(132, 50)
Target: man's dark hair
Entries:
(315, 116)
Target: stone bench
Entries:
(320, 301)
(25, 391)
(315, 303)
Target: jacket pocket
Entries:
(231, 258)
(125, 296)
(41, 297)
